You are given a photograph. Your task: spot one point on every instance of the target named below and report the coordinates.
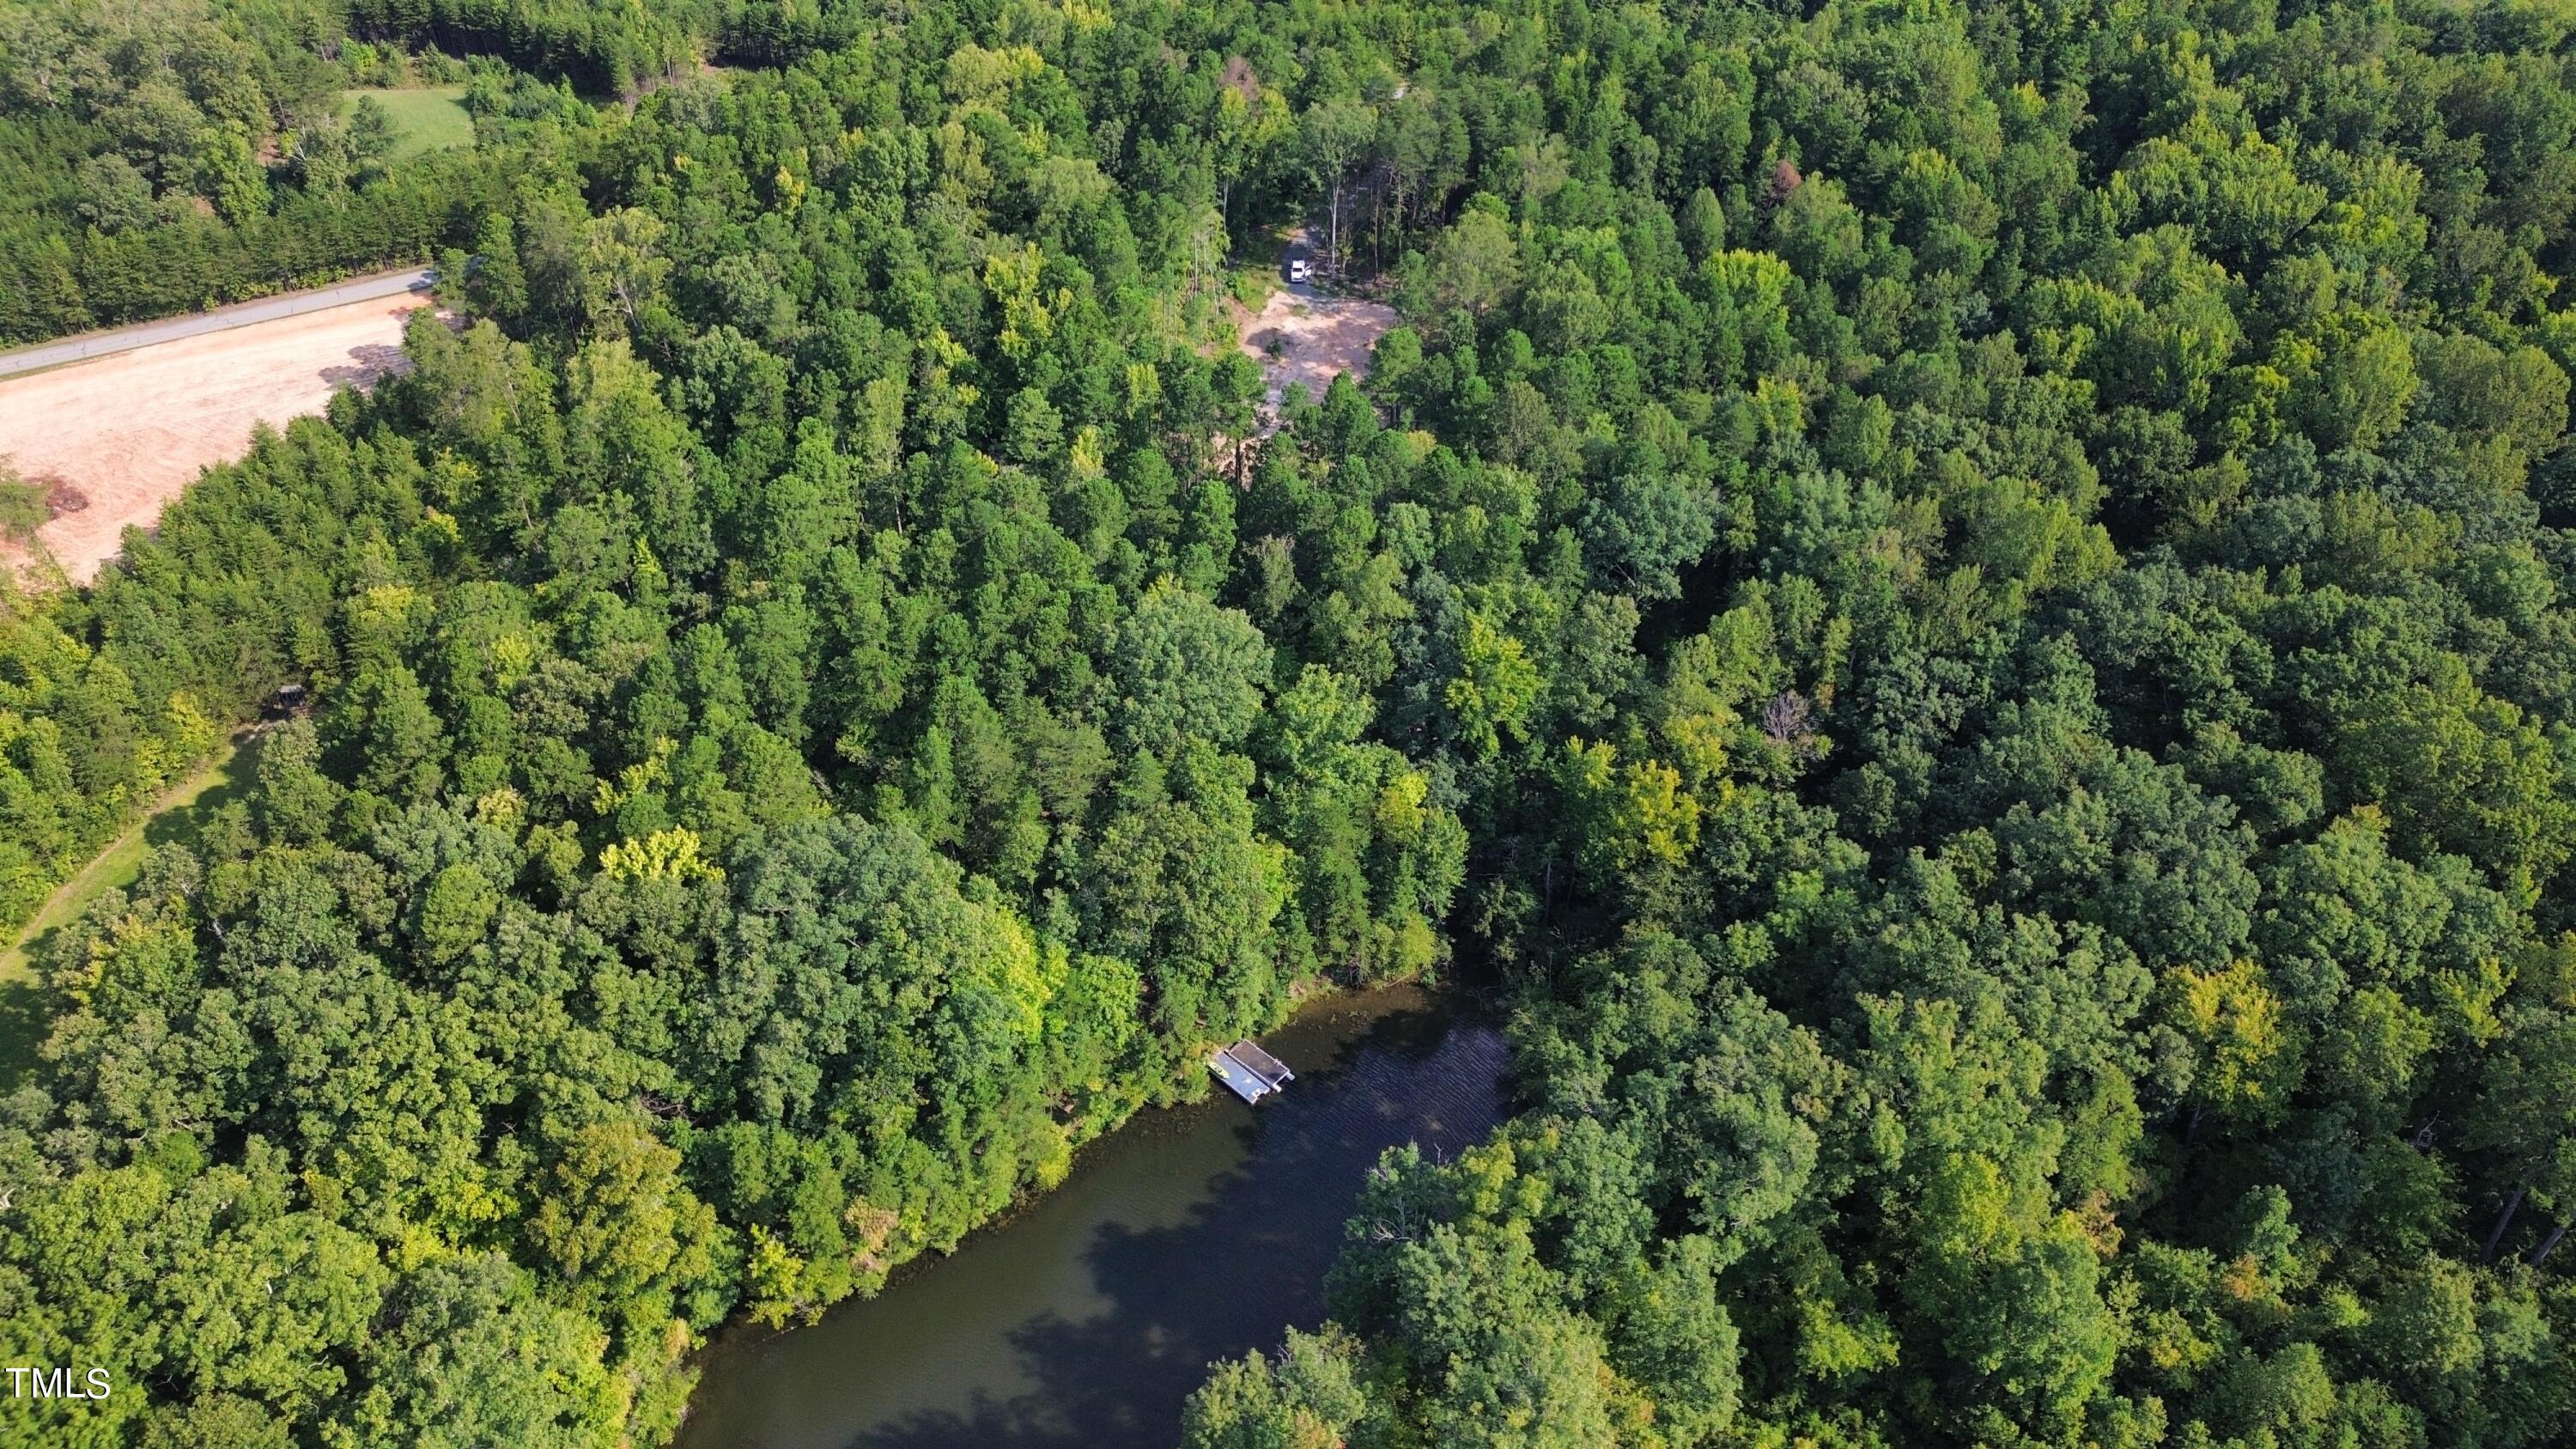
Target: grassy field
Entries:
(182, 815)
(429, 118)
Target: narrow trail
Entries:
(23, 1017)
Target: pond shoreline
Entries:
(1086, 1313)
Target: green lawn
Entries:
(429, 118)
(182, 815)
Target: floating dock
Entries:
(1251, 1072)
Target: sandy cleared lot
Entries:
(117, 437)
(1299, 336)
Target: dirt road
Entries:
(118, 437)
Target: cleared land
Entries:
(1305, 337)
(428, 118)
(116, 438)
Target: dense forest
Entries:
(164, 157)
(1957, 607)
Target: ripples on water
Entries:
(1187, 1236)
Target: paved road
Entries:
(197, 324)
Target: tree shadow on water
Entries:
(1245, 1263)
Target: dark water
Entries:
(1186, 1236)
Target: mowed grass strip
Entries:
(180, 819)
(426, 118)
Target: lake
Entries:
(1188, 1235)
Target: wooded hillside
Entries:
(1959, 606)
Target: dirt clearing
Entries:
(115, 438)
(1301, 336)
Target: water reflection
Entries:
(1187, 1236)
